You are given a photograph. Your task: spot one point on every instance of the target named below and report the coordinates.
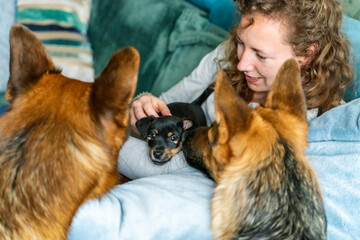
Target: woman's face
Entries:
(261, 51)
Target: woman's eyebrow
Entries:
(258, 50)
(254, 49)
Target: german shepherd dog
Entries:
(265, 187)
(60, 138)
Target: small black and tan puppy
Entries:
(164, 134)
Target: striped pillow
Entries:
(62, 26)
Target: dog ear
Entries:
(143, 124)
(186, 124)
(28, 61)
(114, 88)
(231, 111)
(286, 92)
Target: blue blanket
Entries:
(334, 152)
(177, 205)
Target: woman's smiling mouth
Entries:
(252, 79)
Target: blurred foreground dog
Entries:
(266, 188)
(60, 138)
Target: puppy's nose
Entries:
(158, 153)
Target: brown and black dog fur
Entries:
(266, 188)
(60, 138)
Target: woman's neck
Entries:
(259, 97)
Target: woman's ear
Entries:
(305, 60)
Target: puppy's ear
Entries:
(143, 125)
(186, 124)
(286, 92)
(114, 88)
(28, 61)
(232, 112)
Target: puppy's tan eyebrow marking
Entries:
(170, 133)
(156, 131)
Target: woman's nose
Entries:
(245, 62)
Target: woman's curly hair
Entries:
(311, 23)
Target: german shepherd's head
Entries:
(60, 138)
(265, 189)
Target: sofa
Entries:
(172, 37)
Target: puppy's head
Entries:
(44, 102)
(164, 136)
(245, 137)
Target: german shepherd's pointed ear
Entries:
(228, 105)
(286, 92)
(115, 87)
(28, 61)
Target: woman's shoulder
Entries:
(218, 53)
(193, 85)
(211, 58)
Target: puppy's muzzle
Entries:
(159, 155)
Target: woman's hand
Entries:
(145, 106)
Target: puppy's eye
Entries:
(173, 138)
(152, 135)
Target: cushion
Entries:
(62, 27)
(7, 18)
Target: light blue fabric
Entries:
(341, 124)
(7, 18)
(173, 206)
(334, 152)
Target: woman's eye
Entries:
(262, 58)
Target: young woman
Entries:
(270, 32)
